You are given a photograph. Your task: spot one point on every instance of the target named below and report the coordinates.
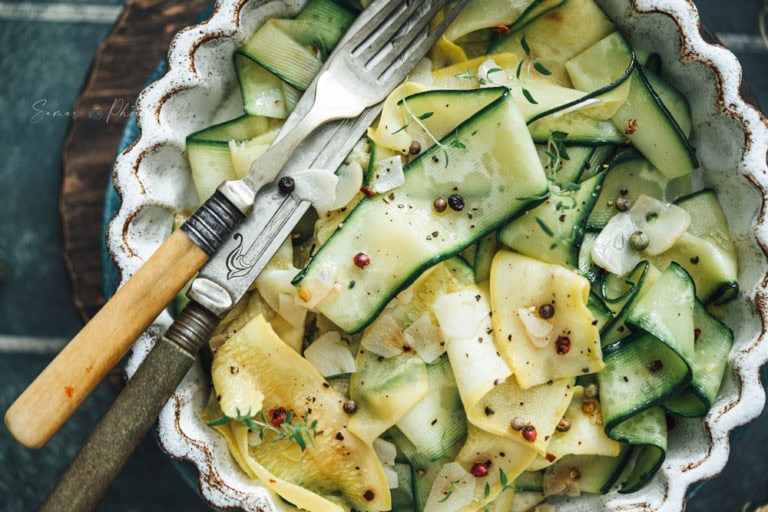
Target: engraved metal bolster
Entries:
(212, 223)
(192, 328)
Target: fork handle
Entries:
(39, 412)
(89, 476)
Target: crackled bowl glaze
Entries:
(153, 180)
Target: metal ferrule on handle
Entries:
(39, 412)
(88, 478)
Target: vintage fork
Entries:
(362, 73)
(367, 65)
(382, 46)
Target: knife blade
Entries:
(240, 259)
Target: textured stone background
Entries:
(43, 66)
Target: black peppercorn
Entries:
(546, 311)
(456, 202)
(286, 185)
(350, 407)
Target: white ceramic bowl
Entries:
(153, 179)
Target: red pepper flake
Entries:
(563, 345)
(551, 457)
(479, 469)
(529, 433)
(696, 334)
(630, 126)
(368, 192)
(69, 390)
(500, 29)
(362, 260)
(369, 495)
(277, 416)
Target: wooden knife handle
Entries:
(39, 412)
(58, 391)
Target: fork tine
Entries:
(379, 11)
(407, 54)
(379, 39)
(404, 38)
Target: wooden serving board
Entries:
(121, 67)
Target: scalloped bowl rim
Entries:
(150, 191)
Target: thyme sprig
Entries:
(300, 431)
(525, 68)
(453, 142)
(482, 80)
(561, 194)
(506, 485)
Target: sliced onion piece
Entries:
(425, 338)
(538, 329)
(491, 74)
(664, 223)
(384, 337)
(272, 283)
(612, 250)
(319, 289)
(387, 174)
(350, 180)
(318, 186)
(386, 452)
(460, 314)
(290, 309)
(330, 355)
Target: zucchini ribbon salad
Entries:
(508, 291)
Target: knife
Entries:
(97, 348)
(221, 283)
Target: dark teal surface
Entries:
(44, 61)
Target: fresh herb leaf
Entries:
(571, 187)
(297, 431)
(544, 227)
(405, 126)
(538, 66)
(519, 70)
(467, 75)
(529, 97)
(526, 48)
(221, 420)
(502, 477)
(455, 142)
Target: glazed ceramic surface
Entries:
(153, 180)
